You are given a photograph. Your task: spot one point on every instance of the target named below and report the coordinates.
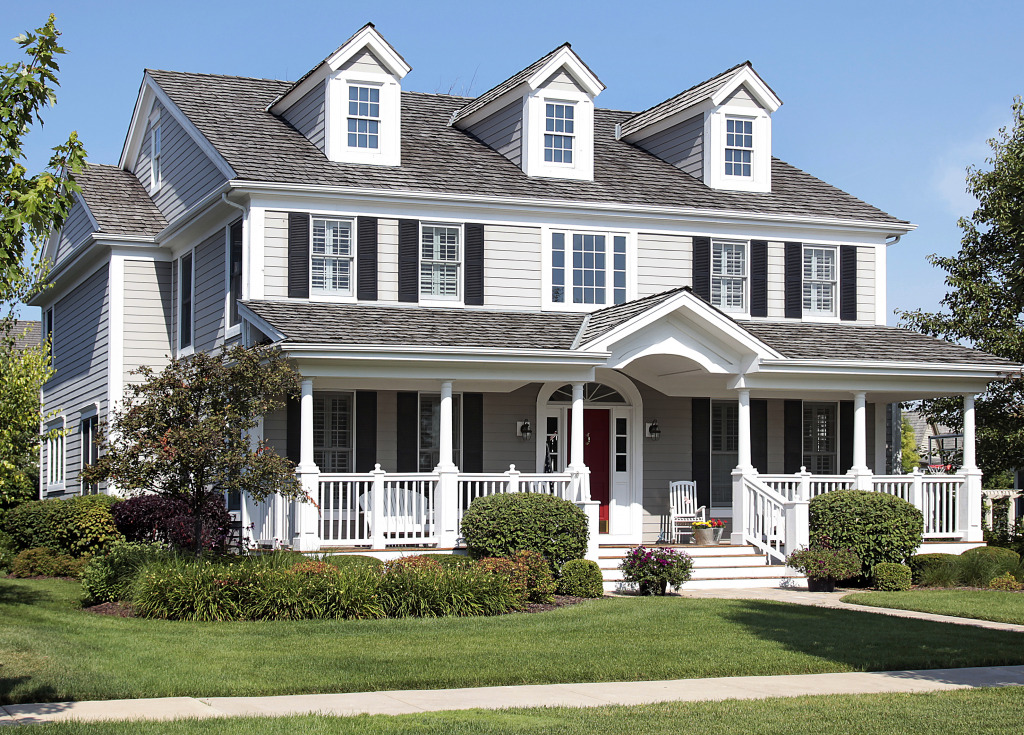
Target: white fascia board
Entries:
(567, 58)
(762, 92)
(894, 368)
(53, 240)
(190, 215)
(260, 323)
(137, 126)
(491, 204)
(369, 38)
(446, 354)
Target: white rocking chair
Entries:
(683, 510)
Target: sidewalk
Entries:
(545, 695)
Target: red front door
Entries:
(597, 456)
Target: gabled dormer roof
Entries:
(367, 38)
(533, 76)
(716, 89)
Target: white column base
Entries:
(592, 508)
(446, 507)
(970, 507)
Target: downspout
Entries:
(896, 239)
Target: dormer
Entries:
(349, 105)
(719, 131)
(541, 119)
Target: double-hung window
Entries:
(55, 457)
(739, 146)
(588, 268)
(331, 255)
(156, 169)
(821, 438)
(87, 436)
(363, 117)
(185, 311)
(820, 276)
(729, 275)
(332, 432)
(440, 259)
(559, 132)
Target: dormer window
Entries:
(363, 117)
(739, 147)
(559, 132)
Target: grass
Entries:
(52, 651)
(970, 712)
(1002, 607)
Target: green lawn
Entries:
(52, 651)
(1004, 607)
(972, 712)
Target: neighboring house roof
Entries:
(231, 113)
(119, 202)
(831, 341)
(27, 334)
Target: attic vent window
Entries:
(559, 132)
(739, 147)
(363, 117)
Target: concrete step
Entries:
(778, 579)
(753, 572)
(617, 552)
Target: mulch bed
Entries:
(560, 601)
(114, 609)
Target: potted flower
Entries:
(654, 570)
(703, 532)
(824, 566)
(718, 526)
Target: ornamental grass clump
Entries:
(655, 569)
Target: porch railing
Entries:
(763, 517)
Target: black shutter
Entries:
(472, 432)
(474, 264)
(366, 260)
(702, 267)
(293, 443)
(407, 434)
(408, 263)
(758, 278)
(759, 434)
(845, 436)
(366, 430)
(298, 255)
(848, 282)
(701, 435)
(793, 437)
(794, 280)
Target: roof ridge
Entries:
(218, 76)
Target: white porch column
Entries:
(446, 459)
(970, 500)
(446, 494)
(860, 441)
(743, 429)
(307, 536)
(576, 440)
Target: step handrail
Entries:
(764, 517)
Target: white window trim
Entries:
(548, 304)
(349, 117)
(89, 412)
(820, 316)
(431, 298)
(191, 348)
(726, 148)
(745, 311)
(714, 149)
(156, 160)
(61, 439)
(353, 433)
(231, 331)
(836, 425)
(328, 296)
(534, 123)
(388, 152)
(574, 135)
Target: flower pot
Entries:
(818, 584)
(704, 536)
(718, 534)
(656, 587)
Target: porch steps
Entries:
(714, 567)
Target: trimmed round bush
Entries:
(43, 562)
(978, 569)
(877, 527)
(581, 578)
(996, 553)
(922, 564)
(75, 526)
(109, 577)
(500, 525)
(891, 577)
(1006, 582)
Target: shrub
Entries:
(344, 561)
(428, 593)
(823, 562)
(876, 526)
(312, 566)
(920, 564)
(165, 519)
(536, 573)
(419, 561)
(997, 553)
(43, 562)
(456, 561)
(7, 552)
(505, 568)
(942, 573)
(891, 577)
(109, 577)
(1006, 582)
(654, 569)
(977, 570)
(500, 525)
(75, 526)
(581, 578)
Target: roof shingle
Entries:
(119, 202)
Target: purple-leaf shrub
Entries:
(167, 520)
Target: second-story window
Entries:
(185, 275)
(820, 275)
(331, 257)
(363, 117)
(440, 258)
(559, 132)
(156, 170)
(48, 330)
(729, 275)
(739, 146)
(595, 271)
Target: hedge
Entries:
(891, 577)
(75, 526)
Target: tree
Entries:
(30, 208)
(909, 455)
(985, 301)
(185, 432)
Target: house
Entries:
(519, 291)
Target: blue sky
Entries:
(890, 101)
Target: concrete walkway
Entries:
(544, 695)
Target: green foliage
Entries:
(890, 577)
(456, 561)
(650, 568)
(974, 568)
(417, 561)
(581, 578)
(909, 456)
(7, 552)
(76, 526)
(875, 526)
(921, 564)
(428, 593)
(1006, 582)
(47, 563)
(109, 577)
(825, 562)
(985, 298)
(977, 570)
(499, 525)
(996, 553)
(535, 570)
(343, 561)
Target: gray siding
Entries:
(275, 431)
(512, 276)
(501, 445)
(275, 256)
(147, 316)
(208, 299)
(664, 261)
(187, 173)
(77, 227)
(682, 145)
(366, 62)
(866, 284)
(308, 115)
(80, 357)
(562, 81)
(503, 131)
(664, 461)
(742, 98)
(387, 259)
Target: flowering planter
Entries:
(820, 585)
(704, 536)
(718, 534)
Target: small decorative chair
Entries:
(683, 508)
